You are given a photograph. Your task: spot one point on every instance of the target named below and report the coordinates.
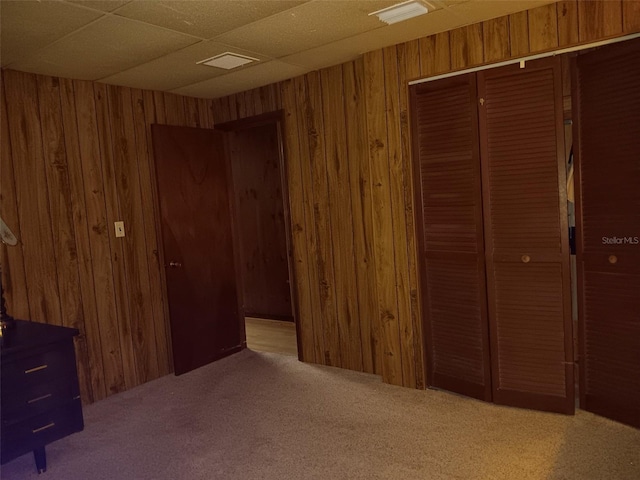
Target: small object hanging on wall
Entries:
(6, 235)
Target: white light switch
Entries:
(119, 229)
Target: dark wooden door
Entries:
(606, 103)
(526, 234)
(198, 246)
(445, 135)
(255, 157)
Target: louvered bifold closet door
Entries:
(607, 114)
(445, 143)
(525, 214)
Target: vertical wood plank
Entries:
(321, 352)
(14, 280)
(277, 98)
(258, 100)
(234, 112)
(83, 247)
(340, 211)
(96, 212)
(32, 197)
(270, 101)
(600, 19)
(398, 209)
(382, 217)
(251, 102)
(519, 34)
(361, 204)
(191, 112)
(121, 291)
(244, 102)
(238, 106)
(408, 69)
(567, 12)
(151, 117)
(61, 214)
(175, 110)
(161, 114)
(313, 135)
(218, 110)
(466, 46)
(150, 241)
(543, 28)
(299, 233)
(127, 181)
(495, 35)
(631, 16)
(225, 110)
(205, 112)
(435, 54)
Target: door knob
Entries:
(174, 265)
(526, 258)
(613, 259)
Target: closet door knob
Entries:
(613, 259)
(526, 258)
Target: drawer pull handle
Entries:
(34, 400)
(44, 428)
(36, 369)
(613, 259)
(525, 258)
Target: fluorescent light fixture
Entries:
(401, 12)
(227, 60)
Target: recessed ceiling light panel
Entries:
(227, 60)
(402, 11)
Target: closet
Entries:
(606, 108)
(493, 236)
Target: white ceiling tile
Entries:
(104, 5)
(481, 10)
(177, 69)
(307, 26)
(155, 44)
(204, 18)
(352, 47)
(245, 79)
(29, 26)
(110, 45)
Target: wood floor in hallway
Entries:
(272, 336)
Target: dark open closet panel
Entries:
(606, 102)
(495, 278)
(454, 293)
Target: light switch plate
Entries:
(119, 229)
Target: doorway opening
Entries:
(260, 206)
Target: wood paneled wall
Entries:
(350, 177)
(76, 156)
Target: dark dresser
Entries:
(40, 393)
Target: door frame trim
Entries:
(278, 118)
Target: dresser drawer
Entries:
(37, 431)
(20, 403)
(54, 364)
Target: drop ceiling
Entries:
(156, 44)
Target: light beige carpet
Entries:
(267, 416)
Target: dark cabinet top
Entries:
(25, 336)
